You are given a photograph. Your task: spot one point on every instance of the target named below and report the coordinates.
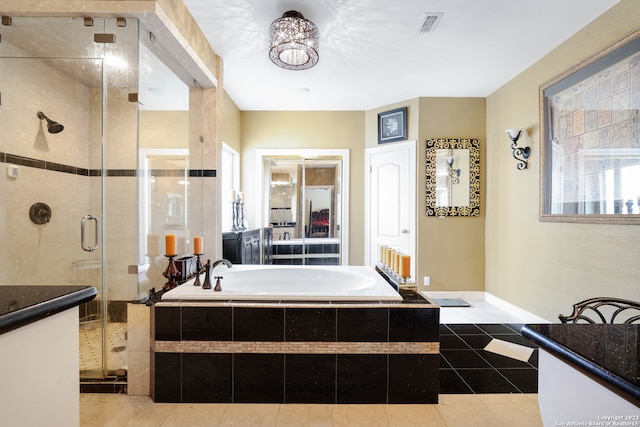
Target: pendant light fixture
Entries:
(293, 42)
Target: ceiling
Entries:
(372, 54)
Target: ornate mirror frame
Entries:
(473, 145)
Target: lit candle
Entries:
(197, 245)
(171, 246)
(233, 196)
(405, 266)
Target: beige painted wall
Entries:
(540, 266)
(307, 129)
(231, 134)
(443, 244)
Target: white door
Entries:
(390, 197)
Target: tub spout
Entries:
(221, 261)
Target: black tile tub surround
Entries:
(299, 352)
(207, 324)
(258, 378)
(362, 378)
(310, 378)
(310, 324)
(258, 324)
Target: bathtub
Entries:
(276, 282)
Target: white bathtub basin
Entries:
(308, 283)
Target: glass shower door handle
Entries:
(83, 226)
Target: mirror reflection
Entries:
(453, 177)
(304, 209)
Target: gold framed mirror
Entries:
(453, 177)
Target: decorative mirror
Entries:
(453, 177)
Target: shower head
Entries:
(52, 127)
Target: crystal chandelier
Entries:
(294, 42)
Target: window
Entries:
(230, 181)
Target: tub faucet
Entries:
(208, 268)
(287, 236)
(221, 261)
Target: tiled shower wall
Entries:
(63, 171)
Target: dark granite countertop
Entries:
(21, 305)
(610, 354)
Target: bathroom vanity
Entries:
(310, 251)
(39, 344)
(588, 373)
(296, 350)
(247, 246)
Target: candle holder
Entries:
(241, 225)
(198, 270)
(171, 273)
(234, 217)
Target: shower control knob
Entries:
(40, 213)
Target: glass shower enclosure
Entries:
(95, 142)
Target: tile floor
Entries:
(458, 406)
(91, 346)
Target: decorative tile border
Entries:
(296, 347)
(59, 167)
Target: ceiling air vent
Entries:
(429, 22)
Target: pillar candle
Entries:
(382, 252)
(233, 196)
(390, 256)
(197, 245)
(171, 246)
(241, 196)
(396, 262)
(405, 266)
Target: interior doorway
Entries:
(390, 198)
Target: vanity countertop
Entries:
(21, 305)
(609, 353)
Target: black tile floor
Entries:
(466, 368)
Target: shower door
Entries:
(69, 135)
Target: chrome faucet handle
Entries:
(218, 288)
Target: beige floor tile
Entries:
(250, 415)
(359, 415)
(141, 414)
(414, 415)
(305, 416)
(516, 414)
(507, 398)
(457, 399)
(468, 414)
(96, 413)
(195, 415)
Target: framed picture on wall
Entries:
(590, 135)
(392, 125)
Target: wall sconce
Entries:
(453, 173)
(521, 154)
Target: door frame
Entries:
(411, 204)
(309, 153)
